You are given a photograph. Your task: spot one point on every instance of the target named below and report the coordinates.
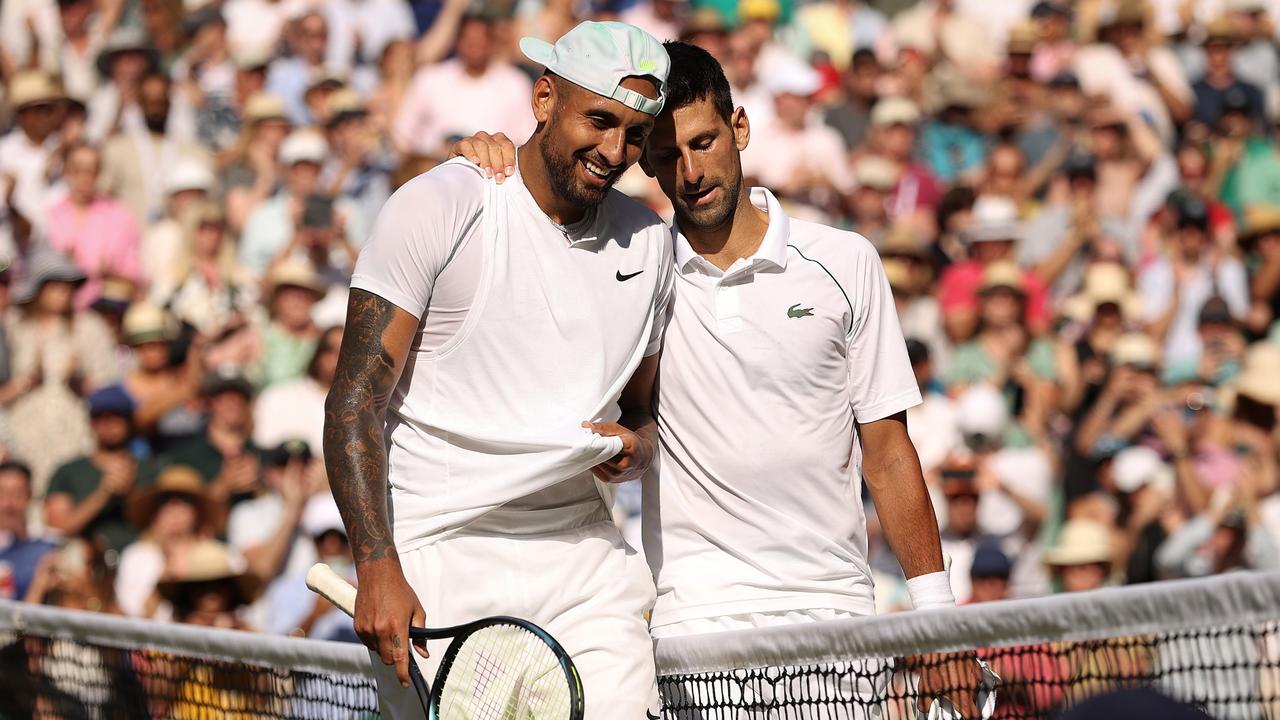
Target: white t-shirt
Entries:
(288, 410)
(528, 329)
(756, 505)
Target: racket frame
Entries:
(460, 633)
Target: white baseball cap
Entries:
(981, 410)
(598, 56)
(791, 77)
(189, 174)
(320, 515)
(303, 145)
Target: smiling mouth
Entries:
(599, 172)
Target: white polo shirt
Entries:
(528, 329)
(756, 503)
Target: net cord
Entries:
(128, 633)
(1233, 599)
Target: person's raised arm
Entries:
(374, 348)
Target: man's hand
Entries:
(384, 611)
(954, 676)
(632, 462)
(495, 154)
(118, 474)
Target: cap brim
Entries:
(539, 51)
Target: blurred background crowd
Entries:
(1077, 203)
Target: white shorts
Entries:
(853, 690)
(584, 586)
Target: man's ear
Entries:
(741, 128)
(544, 98)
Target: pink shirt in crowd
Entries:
(102, 240)
(958, 290)
(443, 101)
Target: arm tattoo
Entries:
(354, 449)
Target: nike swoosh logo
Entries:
(623, 278)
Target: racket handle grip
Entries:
(330, 585)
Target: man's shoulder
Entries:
(623, 213)
(823, 243)
(72, 472)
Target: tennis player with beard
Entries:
(496, 375)
(784, 382)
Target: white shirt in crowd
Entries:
(443, 101)
(529, 329)
(290, 410)
(1158, 288)
(757, 502)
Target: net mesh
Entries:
(1214, 643)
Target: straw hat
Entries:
(898, 274)
(995, 217)
(1003, 274)
(1105, 282)
(1135, 348)
(173, 480)
(1082, 542)
(344, 104)
(1124, 12)
(210, 561)
(144, 323)
(264, 106)
(1259, 377)
(33, 87)
(1221, 30)
(1023, 38)
(293, 272)
(894, 111)
(45, 265)
(904, 240)
(876, 172)
(116, 295)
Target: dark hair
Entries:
(18, 467)
(864, 56)
(955, 200)
(695, 75)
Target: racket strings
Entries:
(505, 672)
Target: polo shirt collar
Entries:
(773, 248)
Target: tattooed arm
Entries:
(374, 347)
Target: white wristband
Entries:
(930, 591)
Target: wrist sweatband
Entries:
(930, 591)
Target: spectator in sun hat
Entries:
(1083, 556)
(171, 516)
(253, 173)
(1260, 243)
(290, 335)
(894, 122)
(157, 383)
(26, 150)
(125, 59)
(484, 91)
(208, 585)
(72, 353)
(359, 166)
(1176, 285)
(869, 203)
(86, 496)
(1002, 345)
(322, 85)
(274, 222)
(1220, 81)
(993, 236)
(190, 181)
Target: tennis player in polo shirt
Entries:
(497, 373)
(784, 380)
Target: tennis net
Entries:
(1212, 642)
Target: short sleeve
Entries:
(881, 382)
(62, 482)
(416, 232)
(662, 298)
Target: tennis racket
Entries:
(496, 668)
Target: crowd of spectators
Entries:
(1077, 204)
